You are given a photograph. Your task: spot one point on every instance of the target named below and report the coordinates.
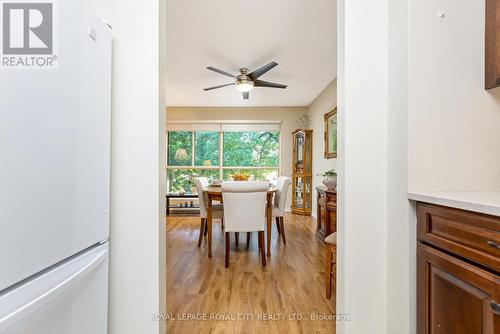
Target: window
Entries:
(219, 153)
(206, 146)
(180, 179)
(251, 149)
(180, 148)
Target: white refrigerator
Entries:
(55, 133)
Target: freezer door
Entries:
(71, 298)
(55, 130)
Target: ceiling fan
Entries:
(246, 81)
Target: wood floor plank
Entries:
(237, 299)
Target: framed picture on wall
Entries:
(331, 134)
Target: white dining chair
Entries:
(245, 211)
(217, 209)
(279, 204)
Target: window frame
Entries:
(220, 167)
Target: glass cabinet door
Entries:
(307, 192)
(303, 192)
(307, 155)
(298, 195)
(299, 152)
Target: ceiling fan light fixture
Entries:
(244, 85)
(246, 80)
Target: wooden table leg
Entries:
(269, 221)
(261, 249)
(209, 224)
(168, 206)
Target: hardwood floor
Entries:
(291, 287)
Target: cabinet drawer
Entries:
(471, 235)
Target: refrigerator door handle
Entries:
(19, 312)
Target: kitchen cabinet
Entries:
(458, 264)
(492, 44)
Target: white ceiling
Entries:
(300, 35)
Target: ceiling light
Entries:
(246, 80)
(244, 85)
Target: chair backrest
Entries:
(200, 183)
(281, 194)
(244, 205)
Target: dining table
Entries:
(214, 193)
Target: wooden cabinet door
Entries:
(455, 297)
(492, 44)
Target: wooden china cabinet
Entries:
(302, 172)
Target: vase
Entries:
(330, 182)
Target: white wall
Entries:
(363, 165)
(324, 103)
(454, 136)
(341, 294)
(433, 126)
(453, 123)
(137, 236)
(400, 271)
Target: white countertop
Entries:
(483, 202)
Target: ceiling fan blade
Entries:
(245, 95)
(220, 71)
(220, 86)
(259, 72)
(262, 83)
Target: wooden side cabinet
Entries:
(326, 212)
(456, 294)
